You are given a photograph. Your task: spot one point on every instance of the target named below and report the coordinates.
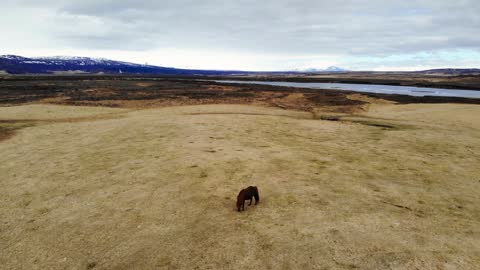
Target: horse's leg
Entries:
(250, 201)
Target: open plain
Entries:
(146, 177)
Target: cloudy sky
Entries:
(249, 34)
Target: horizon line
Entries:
(297, 70)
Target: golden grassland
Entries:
(392, 187)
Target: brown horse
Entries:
(247, 194)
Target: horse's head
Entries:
(240, 199)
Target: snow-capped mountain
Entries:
(328, 69)
(14, 64)
(335, 69)
(12, 57)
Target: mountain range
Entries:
(14, 64)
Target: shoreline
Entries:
(466, 82)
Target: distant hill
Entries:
(451, 71)
(331, 69)
(14, 64)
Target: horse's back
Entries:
(251, 191)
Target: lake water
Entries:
(372, 88)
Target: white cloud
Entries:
(243, 34)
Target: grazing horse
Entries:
(247, 194)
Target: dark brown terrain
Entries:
(147, 92)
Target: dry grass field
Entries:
(392, 187)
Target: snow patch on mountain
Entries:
(328, 69)
(334, 68)
(12, 57)
(81, 59)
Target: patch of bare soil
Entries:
(5, 133)
(8, 128)
(15, 118)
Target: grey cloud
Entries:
(355, 27)
(348, 27)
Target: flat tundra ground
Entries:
(391, 187)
